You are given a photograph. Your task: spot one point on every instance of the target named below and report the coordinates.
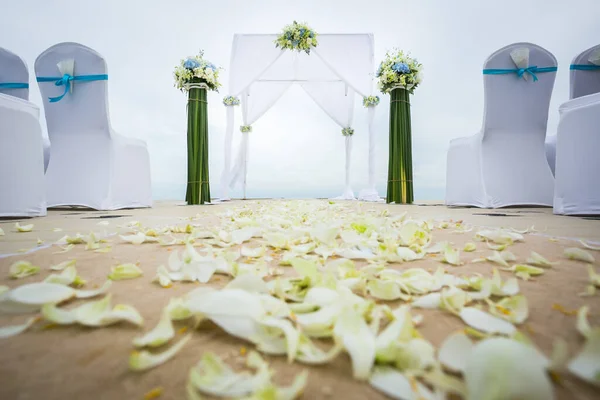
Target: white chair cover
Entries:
(577, 190)
(14, 70)
(91, 165)
(21, 159)
(582, 83)
(505, 164)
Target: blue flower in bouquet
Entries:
(302, 32)
(311, 34)
(401, 68)
(295, 43)
(378, 73)
(288, 35)
(190, 63)
(211, 66)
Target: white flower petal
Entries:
(578, 254)
(161, 334)
(8, 331)
(397, 386)
(586, 365)
(502, 368)
(454, 352)
(24, 228)
(143, 360)
(358, 339)
(485, 322)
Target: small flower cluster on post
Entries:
(231, 101)
(370, 101)
(348, 131)
(196, 69)
(398, 70)
(246, 128)
(298, 37)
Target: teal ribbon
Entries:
(13, 85)
(66, 80)
(520, 71)
(585, 67)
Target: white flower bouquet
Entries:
(231, 101)
(298, 37)
(196, 69)
(370, 101)
(348, 131)
(398, 70)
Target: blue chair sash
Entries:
(585, 67)
(520, 71)
(66, 80)
(14, 85)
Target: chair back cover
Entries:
(584, 82)
(14, 70)
(85, 109)
(513, 104)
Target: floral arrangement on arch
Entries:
(398, 69)
(348, 131)
(246, 128)
(298, 37)
(196, 69)
(370, 101)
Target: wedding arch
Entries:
(334, 71)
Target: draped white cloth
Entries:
(339, 67)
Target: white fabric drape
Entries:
(230, 112)
(340, 66)
(370, 193)
(337, 100)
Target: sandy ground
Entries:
(73, 362)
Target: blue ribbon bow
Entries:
(66, 80)
(585, 67)
(520, 71)
(14, 85)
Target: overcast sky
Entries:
(295, 149)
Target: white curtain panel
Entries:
(261, 73)
(90, 164)
(21, 159)
(577, 190)
(505, 163)
(337, 100)
(582, 83)
(14, 70)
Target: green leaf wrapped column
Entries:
(400, 179)
(198, 188)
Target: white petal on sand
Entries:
(8, 331)
(40, 293)
(575, 253)
(144, 360)
(397, 386)
(485, 322)
(500, 368)
(161, 334)
(431, 300)
(586, 365)
(454, 352)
